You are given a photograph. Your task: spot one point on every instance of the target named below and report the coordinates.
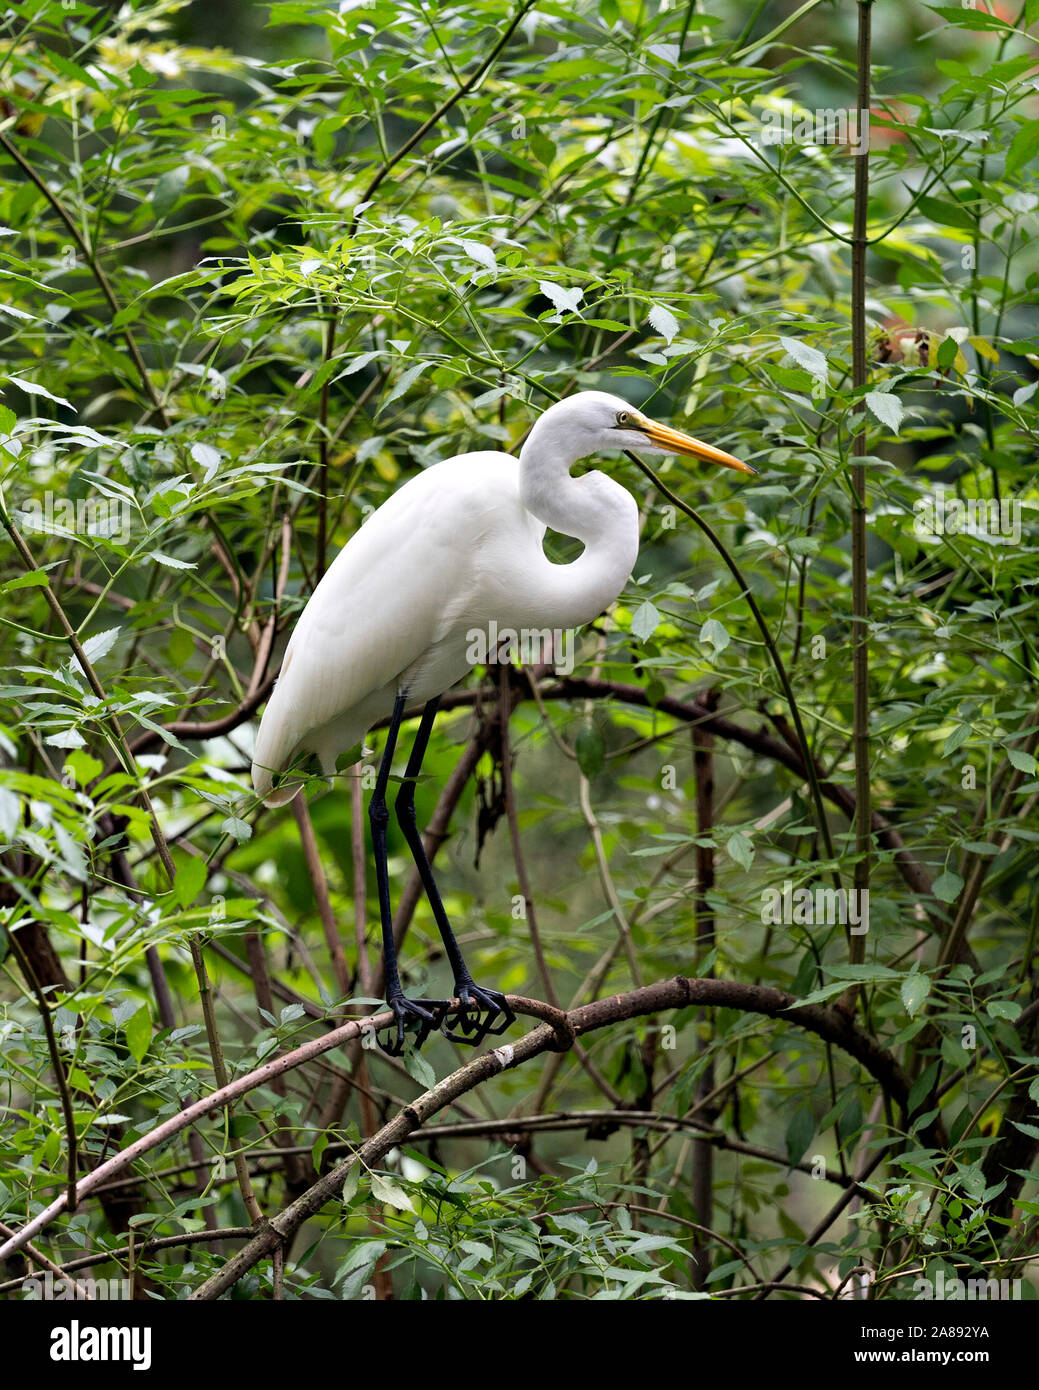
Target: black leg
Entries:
(480, 1007)
(430, 1013)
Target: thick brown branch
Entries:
(679, 992)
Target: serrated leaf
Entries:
(418, 1068)
(1007, 1009)
(358, 364)
(33, 388)
(819, 996)
(385, 1190)
(365, 1253)
(887, 408)
(482, 255)
(171, 562)
(98, 646)
(238, 829)
(741, 849)
(207, 458)
(664, 321)
(353, 1179)
(565, 301)
(956, 739)
(810, 358)
(872, 973)
(406, 380)
(34, 579)
(66, 738)
(915, 989)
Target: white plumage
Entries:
(454, 548)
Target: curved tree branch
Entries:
(676, 993)
(557, 1033)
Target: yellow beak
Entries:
(677, 443)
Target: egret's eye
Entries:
(623, 418)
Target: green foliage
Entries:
(255, 278)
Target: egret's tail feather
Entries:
(283, 795)
(263, 786)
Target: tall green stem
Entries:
(859, 566)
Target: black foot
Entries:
(422, 1014)
(475, 1019)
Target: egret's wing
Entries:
(392, 592)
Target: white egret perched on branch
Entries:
(389, 628)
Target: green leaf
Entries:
(872, 973)
(714, 634)
(800, 1132)
(563, 300)
(168, 189)
(645, 621)
(590, 750)
(664, 321)
(945, 213)
(482, 255)
(969, 18)
(947, 350)
(915, 989)
(353, 1180)
(207, 458)
(405, 382)
(956, 739)
(33, 388)
(810, 358)
(97, 647)
(364, 1255)
(741, 849)
(417, 1066)
(921, 1088)
(1007, 1009)
(887, 408)
(34, 579)
(190, 880)
(138, 1029)
(384, 1189)
(171, 562)
(947, 886)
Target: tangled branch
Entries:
(557, 1033)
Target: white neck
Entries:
(593, 509)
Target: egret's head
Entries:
(607, 423)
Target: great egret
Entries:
(390, 625)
